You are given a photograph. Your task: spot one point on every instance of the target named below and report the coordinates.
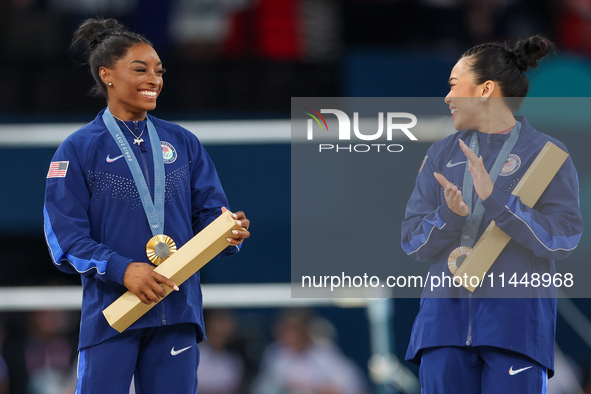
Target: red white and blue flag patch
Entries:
(423, 163)
(58, 169)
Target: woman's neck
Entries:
(124, 115)
(498, 123)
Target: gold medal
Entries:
(159, 248)
(457, 257)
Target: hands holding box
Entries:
(203, 247)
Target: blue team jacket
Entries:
(549, 231)
(95, 224)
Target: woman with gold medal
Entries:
(493, 340)
(123, 193)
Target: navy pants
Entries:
(162, 360)
(479, 370)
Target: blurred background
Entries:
(232, 67)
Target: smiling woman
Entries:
(134, 82)
(494, 340)
(125, 67)
(112, 221)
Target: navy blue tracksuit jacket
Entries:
(525, 323)
(95, 224)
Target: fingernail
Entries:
(175, 288)
(229, 239)
(235, 216)
(239, 222)
(235, 232)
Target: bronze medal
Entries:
(457, 257)
(159, 248)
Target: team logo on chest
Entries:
(511, 165)
(168, 152)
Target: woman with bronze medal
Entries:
(123, 193)
(493, 340)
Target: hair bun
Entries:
(530, 51)
(94, 31)
(99, 37)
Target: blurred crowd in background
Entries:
(237, 59)
(252, 55)
(298, 355)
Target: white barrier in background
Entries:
(226, 132)
(271, 295)
(209, 132)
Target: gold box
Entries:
(185, 262)
(493, 240)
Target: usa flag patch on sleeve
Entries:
(423, 164)
(58, 169)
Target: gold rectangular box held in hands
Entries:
(529, 189)
(185, 262)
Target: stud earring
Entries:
(110, 84)
(481, 99)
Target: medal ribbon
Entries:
(154, 209)
(475, 216)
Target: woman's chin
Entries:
(149, 107)
(460, 124)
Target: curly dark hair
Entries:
(105, 41)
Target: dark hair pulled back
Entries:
(105, 41)
(497, 62)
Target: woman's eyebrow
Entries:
(144, 63)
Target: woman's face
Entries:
(136, 82)
(463, 97)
